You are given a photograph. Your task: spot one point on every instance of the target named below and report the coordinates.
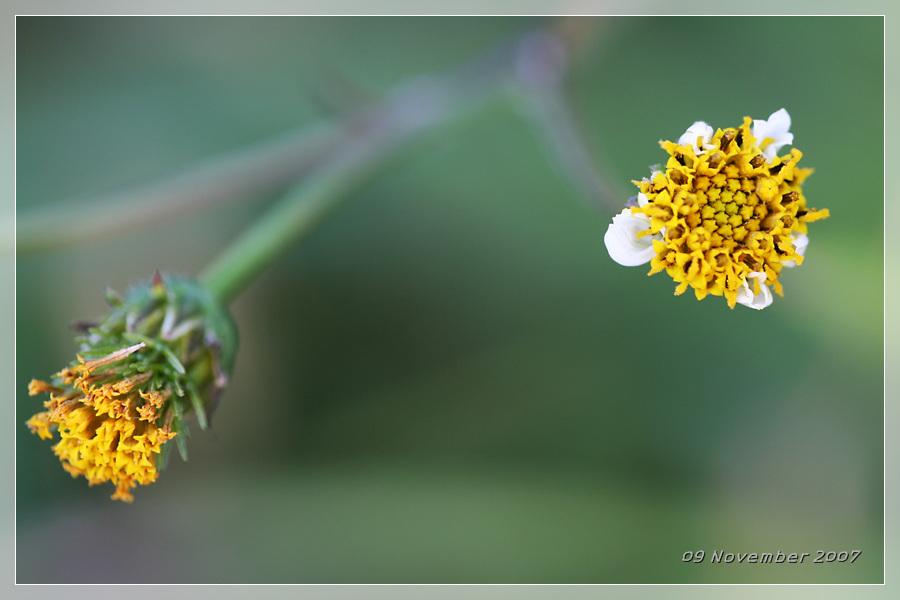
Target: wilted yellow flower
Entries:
(116, 410)
(107, 426)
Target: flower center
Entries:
(726, 213)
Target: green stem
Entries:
(415, 108)
(295, 216)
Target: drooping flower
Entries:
(163, 353)
(725, 216)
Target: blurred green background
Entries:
(451, 381)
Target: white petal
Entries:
(801, 241)
(776, 129)
(642, 200)
(699, 130)
(758, 301)
(622, 242)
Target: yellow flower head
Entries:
(164, 352)
(724, 215)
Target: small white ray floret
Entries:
(772, 134)
(698, 132)
(746, 296)
(623, 243)
(801, 241)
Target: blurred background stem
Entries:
(329, 160)
(243, 173)
(534, 65)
